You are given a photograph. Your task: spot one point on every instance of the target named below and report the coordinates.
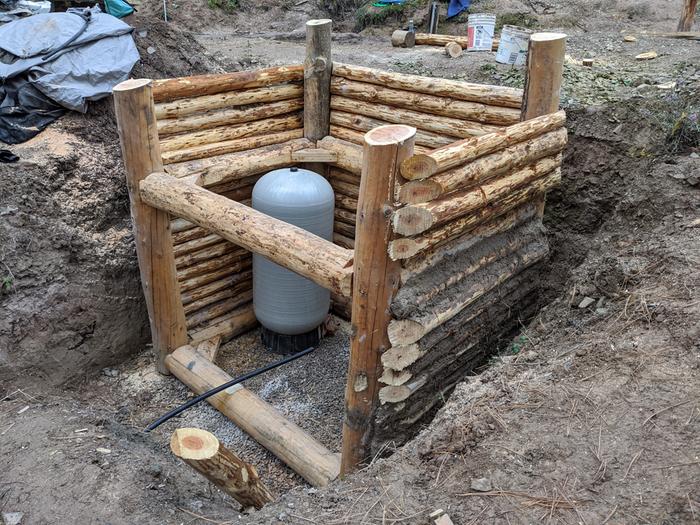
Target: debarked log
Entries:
(348, 155)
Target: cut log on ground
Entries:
(436, 105)
(187, 87)
(417, 218)
(441, 159)
(202, 451)
(483, 168)
(400, 38)
(279, 241)
(432, 39)
(439, 124)
(492, 95)
(453, 50)
(311, 460)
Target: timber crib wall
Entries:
(440, 189)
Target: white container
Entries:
(513, 46)
(480, 29)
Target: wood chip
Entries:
(649, 55)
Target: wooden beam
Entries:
(185, 87)
(314, 155)
(545, 66)
(687, 15)
(133, 106)
(348, 155)
(282, 243)
(202, 451)
(209, 348)
(317, 78)
(301, 452)
(376, 280)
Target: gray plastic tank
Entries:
(285, 302)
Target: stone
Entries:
(586, 302)
(12, 518)
(481, 485)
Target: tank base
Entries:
(290, 344)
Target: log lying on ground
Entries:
(405, 248)
(453, 50)
(441, 159)
(311, 460)
(400, 38)
(417, 218)
(236, 166)
(195, 86)
(492, 95)
(227, 326)
(435, 105)
(227, 117)
(364, 124)
(227, 133)
(432, 39)
(348, 155)
(410, 330)
(190, 106)
(230, 146)
(483, 168)
(446, 126)
(279, 241)
(203, 452)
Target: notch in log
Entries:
(202, 451)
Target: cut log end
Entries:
(411, 220)
(418, 191)
(319, 22)
(418, 167)
(391, 134)
(453, 50)
(403, 248)
(547, 37)
(404, 332)
(132, 83)
(194, 443)
(400, 38)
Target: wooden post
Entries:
(317, 80)
(688, 15)
(375, 282)
(545, 65)
(133, 104)
(202, 451)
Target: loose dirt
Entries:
(589, 415)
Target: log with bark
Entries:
(202, 451)
(233, 265)
(400, 38)
(463, 151)
(193, 295)
(227, 326)
(432, 39)
(222, 307)
(203, 256)
(453, 50)
(348, 155)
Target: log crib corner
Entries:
(438, 236)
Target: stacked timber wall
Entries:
(224, 132)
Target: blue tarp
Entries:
(457, 6)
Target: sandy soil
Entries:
(590, 416)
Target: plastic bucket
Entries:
(513, 46)
(480, 29)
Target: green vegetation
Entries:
(368, 14)
(226, 5)
(527, 20)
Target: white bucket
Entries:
(513, 46)
(480, 29)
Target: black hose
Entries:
(87, 17)
(179, 410)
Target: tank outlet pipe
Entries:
(179, 410)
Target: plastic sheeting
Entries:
(35, 65)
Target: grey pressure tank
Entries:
(286, 304)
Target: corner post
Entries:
(375, 282)
(136, 120)
(687, 15)
(317, 83)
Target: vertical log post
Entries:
(317, 84)
(375, 282)
(202, 451)
(545, 66)
(687, 15)
(543, 78)
(136, 120)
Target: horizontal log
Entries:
(240, 194)
(455, 246)
(196, 245)
(228, 260)
(185, 87)
(446, 126)
(227, 326)
(345, 216)
(226, 133)
(341, 306)
(417, 218)
(282, 243)
(492, 95)
(217, 250)
(190, 106)
(345, 202)
(228, 281)
(215, 171)
(483, 168)
(348, 230)
(178, 225)
(344, 176)
(218, 309)
(435, 105)
(400, 38)
(396, 394)
(344, 188)
(421, 166)
(308, 458)
(348, 155)
(223, 188)
(244, 263)
(432, 39)
(357, 137)
(342, 240)
(314, 155)
(410, 330)
(237, 293)
(229, 146)
(364, 124)
(395, 378)
(404, 248)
